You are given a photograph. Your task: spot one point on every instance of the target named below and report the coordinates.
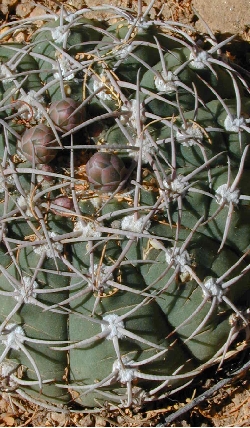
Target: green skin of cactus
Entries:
(190, 155)
(124, 64)
(182, 296)
(37, 324)
(156, 320)
(222, 83)
(81, 39)
(186, 155)
(130, 64)
(19, 129)
(149, 322)
(196, 205)
(51, 364)
(25, 63)
(234, 145)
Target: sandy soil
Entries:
(226, 16)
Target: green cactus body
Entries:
(127, 57)
(14, 59)
(35, 325)
(233, 122)
(178, 297)
(125, 218)
(110, 302)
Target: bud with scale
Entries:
(65, 115)
(36, 143)
(105, 171)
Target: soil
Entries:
(230, 406)
(225, 16)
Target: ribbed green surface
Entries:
(120, 295)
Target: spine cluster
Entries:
(124, 180)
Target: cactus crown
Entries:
(124, 210)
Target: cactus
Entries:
(36, 143)
(125, 208)
(105, 171)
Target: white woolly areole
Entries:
(104, 95)
(100, 272)
(124, 52)
(224, 195)
(96, 202)
(5, 182)
(198, 61)
(113, 326)
(213, 290)
(124, 374)
(57, 247)
(6, 74)
(147, 148)
(70, 17)
(31, 111)
(180, 260)
(175, 188)
(234, 124)
(167, 82)
(26, 291)
(24, 203)
(87, 230)
(66, 69)
(11, 341)
(132, 107)
(133, 225)
(190, 135)
(143, 25)
(60, 34)
(6, 368)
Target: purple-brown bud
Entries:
(105, 171)
(64, 115)
(46, 168)
(63, 203)
(36, 143)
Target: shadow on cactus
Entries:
(125, 190)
